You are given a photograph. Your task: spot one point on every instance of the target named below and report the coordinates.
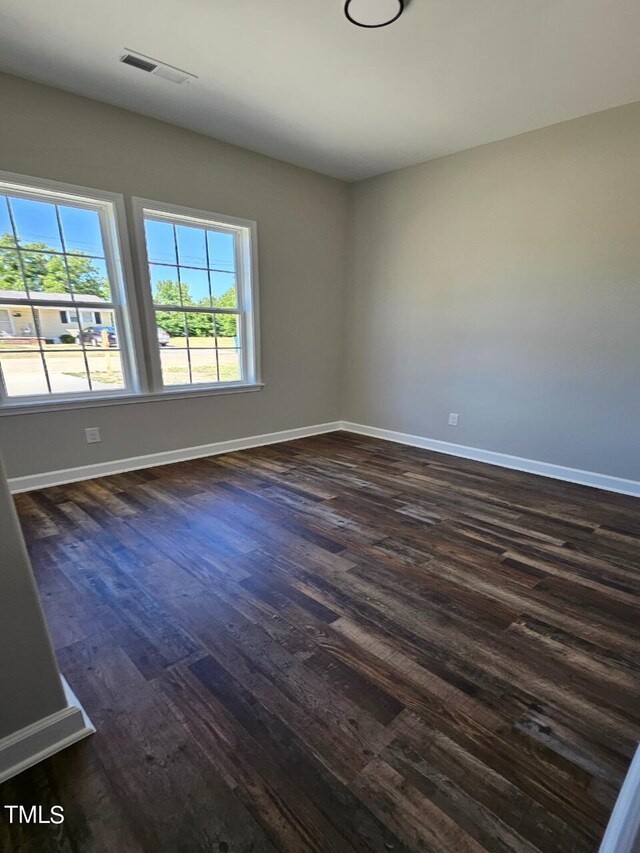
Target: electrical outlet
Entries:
(453, 419)
(92, 434)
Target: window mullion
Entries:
(49, 251)
(123, 298)
(34, 302)
(184, 316)
(34, 311)
(242, 301)
(147, 309)
(196, 309)
(73, 298)
(3, 388)
(215, 323)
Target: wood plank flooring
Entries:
(337, 644)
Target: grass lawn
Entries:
(23, 364)
(201, 373)
(201, 343)
(25, 349)
(179, 343)
(172, 375)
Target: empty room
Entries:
(320, 426)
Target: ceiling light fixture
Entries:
(373, 13)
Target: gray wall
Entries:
(30, 686)
(301, 219)
(503, 283)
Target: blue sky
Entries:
(189, 248)
(192, 244)
(36, 223)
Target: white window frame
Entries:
(246, 245)
(111, 212)
(135, 312)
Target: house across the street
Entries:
(17, 322)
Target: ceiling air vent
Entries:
(155, 67)
(138, 62)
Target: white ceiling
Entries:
(293, 79)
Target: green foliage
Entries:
(47, 273)
(167, 292)
(67, 339)
(198, 325)
(227, 324)
(172, 323)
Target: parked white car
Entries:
(163, 337)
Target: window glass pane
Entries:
(164, 337)
(195, 287)
(204, 365)
(59, 327)
(44, 272)
(105, 367)
(208, 364)
(221, 251)
(160, 242)
(67, 371)
(191, 246)
(88, 277)
(48, 273)
(6, 327)
(103, 335)
(23, 373)
(81, 231)
(10, 272)
(6, 231)
(36, 224)
(227, 328)
(230, 365)
(164, 285)
(175, 366)
(223, 288)
(200, 330)
(172, 322)
(17, 328)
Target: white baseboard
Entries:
(504, 460)
(44, 738)
(150, 460)
(623, 831)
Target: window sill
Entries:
(8, 409)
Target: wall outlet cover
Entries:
(92, 434)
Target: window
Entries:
(73, 327)
(59, 262)
(201, 303)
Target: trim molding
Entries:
(150, 460)
(623, 830)
(504, 460)
(45, 737)
(8, 410)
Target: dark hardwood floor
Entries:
(337, 644)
